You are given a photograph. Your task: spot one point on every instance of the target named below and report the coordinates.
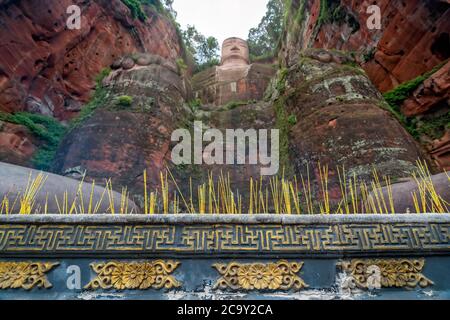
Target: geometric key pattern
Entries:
(223, 238)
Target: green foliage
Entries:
(47, 129)
(369, 55)
(281, 82)
(195, 104)
(284, 126)
(102, 75)
(138, 12)
(136, 9)
(234, 104)
(433, 128)
(125, 101)
(264, 57)
(98, 99)
(323, 15)
(332, 12)
(182, 67)
(396, 96)
(292, 119)
(203, 66)
(205, 50)
(263, 39)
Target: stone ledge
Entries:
(189, 219)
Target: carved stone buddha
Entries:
(235, 53)
(235, 79)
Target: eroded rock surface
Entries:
(413, 39)
(17, 144)
(130, 130)
(46, 68)
(341, 121)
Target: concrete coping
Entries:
(196, 219)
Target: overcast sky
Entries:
(221, 18)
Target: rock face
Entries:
(431, 102)
(432, 94)
(340, 121)
(440, 151)
(235, 79)
(127, 134)
(413, 40)
(255, 116)
(17, 144)
(414, 36)
(46, 68)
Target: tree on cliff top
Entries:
(205, 50)
(263, 40)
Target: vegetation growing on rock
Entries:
(98, 98)
(125, 101)
(47, 129)
(138, 12)
(431, 127)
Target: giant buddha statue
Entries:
(235, 53)
(235, 79)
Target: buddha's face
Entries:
(235, 52)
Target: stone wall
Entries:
(225, 257)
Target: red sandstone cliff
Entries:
(46, 68)
(413, 39)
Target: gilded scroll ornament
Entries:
(386, 273)
(134, 275)
(260, 276)
(25, 275)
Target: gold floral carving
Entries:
(389, 273)
(25, 275)
(134, 275)
(259, 276)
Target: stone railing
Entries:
(210, 256)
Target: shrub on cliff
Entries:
(125, 101)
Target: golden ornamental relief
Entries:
(134, 275)
(25, 275)
(386, 273)
(260, 276)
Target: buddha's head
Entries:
(235, 52)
